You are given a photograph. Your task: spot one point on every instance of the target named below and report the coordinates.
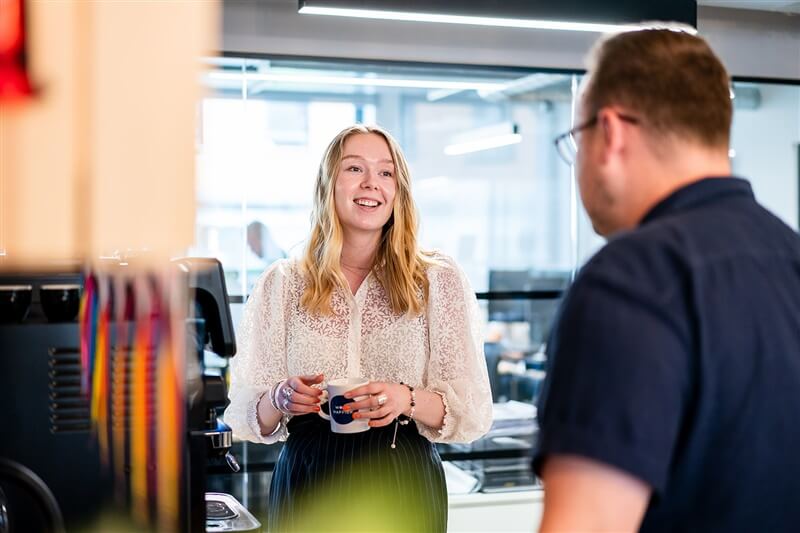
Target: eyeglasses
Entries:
(567, 143)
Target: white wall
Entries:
(754, 43)
(751, 43)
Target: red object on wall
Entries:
(14, 83)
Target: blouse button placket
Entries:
(354, 337)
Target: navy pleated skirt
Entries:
(324, 481)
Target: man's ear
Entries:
(613, 131)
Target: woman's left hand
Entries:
(387, 401)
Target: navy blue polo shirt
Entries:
(676, 358)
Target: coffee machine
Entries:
(49, 466)
(210, 439)
(52, 476)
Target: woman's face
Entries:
(365, 184)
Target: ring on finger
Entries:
(382, 399)
(285, 404)
(287, 391)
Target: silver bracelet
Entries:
(271, 395)
(277, 428)
(272, 399)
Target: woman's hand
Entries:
(296, 396)
(387, 401)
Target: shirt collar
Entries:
(699, 192)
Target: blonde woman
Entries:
(363, 301)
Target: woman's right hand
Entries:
(296, 396)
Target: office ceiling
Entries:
(760, 5)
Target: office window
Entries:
(491, 191)
(494, 207)
(765, 143)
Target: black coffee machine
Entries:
(50, 467)
(210, 326)
(51, 476)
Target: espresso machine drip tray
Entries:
(225, 513)
(217, 510)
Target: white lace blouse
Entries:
(440, 350)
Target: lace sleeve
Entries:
(457, 366)
(261, 358)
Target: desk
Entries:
(506, 512)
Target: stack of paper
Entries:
(513, 418)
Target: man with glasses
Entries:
(673, 389)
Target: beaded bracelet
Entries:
(397, 421)
(413, 403)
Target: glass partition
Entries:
(491, 190)
(764, 143)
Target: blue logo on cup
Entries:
(340, 416)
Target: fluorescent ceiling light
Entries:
(525, 84)
(485, 138)
(469, 20)
(437, 94)
(482, 144)
(454, 85)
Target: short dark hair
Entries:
(671, 78)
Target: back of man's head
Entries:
(668, 77)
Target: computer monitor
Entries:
(538, 312)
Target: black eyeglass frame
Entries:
(571, 135)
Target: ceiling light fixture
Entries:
(485, 138)
(525, 84)
(453, 85)
(465, 19)
(571, 15)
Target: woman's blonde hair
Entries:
(400, 264)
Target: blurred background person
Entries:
(262, 245)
